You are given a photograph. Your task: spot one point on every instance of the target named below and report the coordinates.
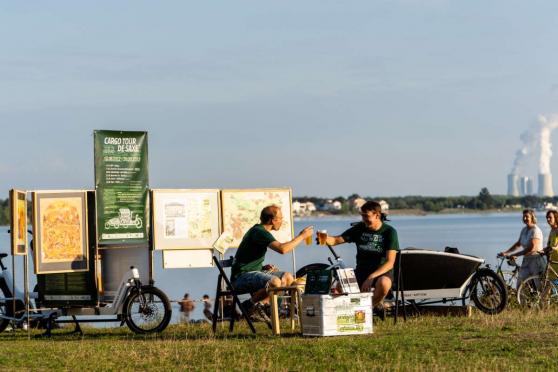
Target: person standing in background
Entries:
(186, 308)
(207, 305)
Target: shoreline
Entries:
(419, 212)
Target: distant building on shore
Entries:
(303, 208)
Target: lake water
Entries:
(482, 235)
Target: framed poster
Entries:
(18, 222)
(121, 183)
(242, 208)
(185, 219)
(60, 231)
(187, 259)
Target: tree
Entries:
(485, 200)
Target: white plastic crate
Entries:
(326, 315)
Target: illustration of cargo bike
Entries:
(125, 219)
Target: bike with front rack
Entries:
(143, 308)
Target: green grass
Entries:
(513, 340)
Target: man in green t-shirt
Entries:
(246, 274)
(377, 245)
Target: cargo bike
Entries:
(81, 297)
(143, 308)
(426, 277)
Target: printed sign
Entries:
(185, 219)
(60, 231)
(18, 222)
(121, 183)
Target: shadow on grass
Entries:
(174, 332)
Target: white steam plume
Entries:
(546, 126)
(528, 139)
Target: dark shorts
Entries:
(253, 281)
(361, 276)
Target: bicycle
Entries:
(144, 308)
(539, 291)
(510, 278)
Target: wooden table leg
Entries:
(274, 314)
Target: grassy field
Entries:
(509, 341)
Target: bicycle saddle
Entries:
(2, 255)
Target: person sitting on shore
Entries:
(530, 239)
(247, 274)
(377, 245)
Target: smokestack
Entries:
(545, 185)
(523, 181)
(513, 185)
(530, 186)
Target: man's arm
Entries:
(334, 240)
(382, 269)
(290, 245)
(386, 266)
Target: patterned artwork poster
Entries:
(18, 222)
(242, 207)
(60, 231)
(185, 218)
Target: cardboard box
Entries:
(326, 315)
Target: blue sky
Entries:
(375, 97)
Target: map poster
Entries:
(60, 231)
(185, 218)
(18, 222)
(121, 184)
(242, 208)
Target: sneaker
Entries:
(248, 306)
(380, 312)
(259, 314)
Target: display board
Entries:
(18, 221)
(121, 183)
(72, 289)
(60, 231)
(185, 219)
(242, 207)
(187, 259)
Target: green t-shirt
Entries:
(251, 251)
(372, 246)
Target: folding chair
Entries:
(224, 290)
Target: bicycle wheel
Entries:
(489, 292)
(510, 280)
(537, 293)
(147, 311)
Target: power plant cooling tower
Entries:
(513, 185)
(545, 185)
(530, 186)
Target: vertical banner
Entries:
(121, 183)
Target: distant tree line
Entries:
(483, 201)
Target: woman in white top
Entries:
(530, 240)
